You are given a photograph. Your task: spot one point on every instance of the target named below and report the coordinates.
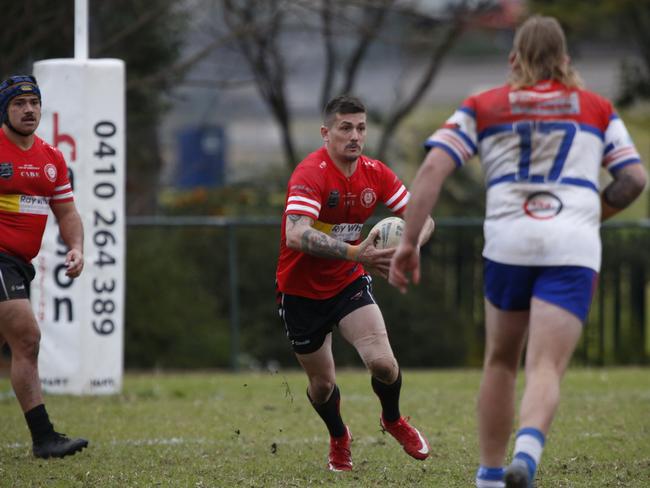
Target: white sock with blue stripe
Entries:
(528, 448)
(489, 477)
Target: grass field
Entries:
(257, 430)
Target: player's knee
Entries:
(506, 360)
(544, 370)
(27, 345)
(384, 369)
(320, 389)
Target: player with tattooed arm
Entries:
(322, 279)
(542, 140)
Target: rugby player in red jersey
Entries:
(321, 277)
(33, 179)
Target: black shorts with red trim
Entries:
(308, 321)
(15, 277)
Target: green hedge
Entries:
(178, 303)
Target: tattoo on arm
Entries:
(293, 219)
(622, 191)
(315, 242)
(321, 245)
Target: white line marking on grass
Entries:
(179, 441)
(173, 441)
(16, 445)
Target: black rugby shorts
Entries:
(308, 321)
(15, 277)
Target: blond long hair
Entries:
(539, 52)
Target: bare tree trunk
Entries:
(376, 12)
(344, 24)
(264, 55)
(330, 52)
(461, 14)
(403, 109)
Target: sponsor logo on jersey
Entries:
(333, 198)
(298, 188)
(368, 197)
(29, 171)
(50, 172)
(322, 165)
(29, 204)
(535, 103)
(346, 232)
(6, 170)
(349, 199)
(34, 204)
(542, 205)
(340, 232)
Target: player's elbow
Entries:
(637, 179)
(643, 178)
(628, 184)
(294, 240)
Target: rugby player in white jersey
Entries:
(542, 140)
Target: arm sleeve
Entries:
(394, 195)
(303, 194)
(62, 187)
(619, 149)
(458, 135)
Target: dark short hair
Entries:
(342, 104)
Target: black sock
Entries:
(389, 397)
(330, 413)
(39, 422)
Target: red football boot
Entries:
(408, 436)
(340, 458)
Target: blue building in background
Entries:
(201, 157)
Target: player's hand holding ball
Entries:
(388, 232)
(376, 250)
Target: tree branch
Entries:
(460, 17)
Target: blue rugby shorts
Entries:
(511, 287)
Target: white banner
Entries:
(82, 320)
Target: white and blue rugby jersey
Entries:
(541, 149)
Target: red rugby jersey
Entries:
(30, 181)
(339, 206)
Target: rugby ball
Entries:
(390, 232)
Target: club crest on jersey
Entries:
(368, 197)
(50, 172)
(333, 199)
(542, 205)
(6, 170)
